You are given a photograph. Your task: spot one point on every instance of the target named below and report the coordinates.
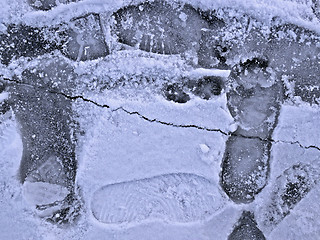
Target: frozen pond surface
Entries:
(160, 119)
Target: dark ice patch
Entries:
(255, 109)
(295, 53)
(292, 49)
(23, 41)
(212, 51)
(83, 39)
(159, 27)
(245, 168)
(51, 74)
(251, 65)
(4, 105)
(246, 228)
(45, 117)
(308, 93)
(290, 188)
(44, 120)
(239, 35)
(255, 97)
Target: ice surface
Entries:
(118, 136)
(48, 163)
(299, 62)
(298, 124)
(255, 103)
(235, 36)
(40, 193)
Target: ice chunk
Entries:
(177, 197)
(246, 228)
(40, 193)
(245, 168)
(3, 95)
(212, 72)
(159, 27)
(85, 39)
(53, 202)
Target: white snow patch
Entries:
(204, 148)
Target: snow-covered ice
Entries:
(159, 119)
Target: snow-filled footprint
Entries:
(176, 198)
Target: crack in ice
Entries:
(154, 120)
